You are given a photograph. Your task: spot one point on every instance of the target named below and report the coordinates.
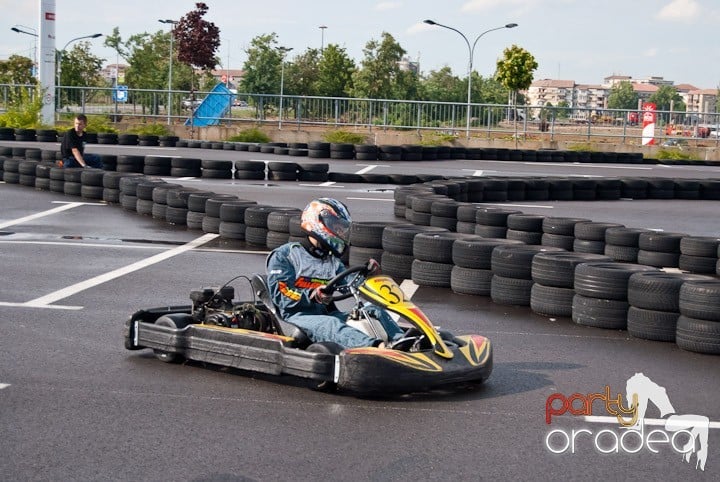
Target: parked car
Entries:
(189, 103)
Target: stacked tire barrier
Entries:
(698, 327)
(511, 265)
(600, 299)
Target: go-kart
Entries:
(253, 336)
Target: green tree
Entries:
(623, 96)
(79, 68)
(665, 96)
(379, 70)
(442, 86)
(262, 67)
(335, 71)
(515, 70)
(16, 70)
(301, 75)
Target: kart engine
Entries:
(214, 306)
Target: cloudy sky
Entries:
(580, 40)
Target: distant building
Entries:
(408, 65)
(702, 101)
(110, 71)
(231, 77)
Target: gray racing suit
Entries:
(293, 274)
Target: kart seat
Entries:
(260, 287)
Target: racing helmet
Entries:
(328, 221)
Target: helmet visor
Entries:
(338, 226)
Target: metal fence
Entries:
(487, 120)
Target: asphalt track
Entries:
(75, 405)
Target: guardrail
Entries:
(491, 121)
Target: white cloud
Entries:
(679, 10)
(419, 27)
(651, 52)
(383, 6)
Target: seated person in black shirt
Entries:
(72, 148)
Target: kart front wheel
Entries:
(175, 321)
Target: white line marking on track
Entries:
(646, 421)
(540, 206)
(4, 385)
(408, 287)
(367, 169)
(83, 285)
(49, 212)
(371, 199)
(603, 166)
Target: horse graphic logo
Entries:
(696, 425)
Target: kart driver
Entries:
(297, 272)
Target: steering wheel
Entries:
(334, 284)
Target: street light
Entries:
(62, 51)
(283, 51)
(169, 100)
(471, 51)
(32, 34)
(322, 37)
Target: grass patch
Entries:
(344, 137)
(250, 135)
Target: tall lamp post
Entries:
(169, 95)
(322, 38)
(16, 29)
(471, 51)
(282, 51)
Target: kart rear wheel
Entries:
(176, 321)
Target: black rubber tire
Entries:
(257, 214)
(398, 238)
(437, 247)
(367, 234)
(211, 224)
(256, 236)
(525, 222)
(600, 312)
(557, 268)
(279, 219)
(428, 273)
(652, 324)
(275, 239)
(70, 188)
(593, 231)
(701, 300)
(606, 280)
(490, 231)
(196, 200)
(515, 260)
(624, 236)
(213, 204)
(471, 281)
(658, 259)
(231, 230)
(194, 219)
(397, 266)
(109, 195)
(706, 246)
(90, 192)
(697, 335)
(234, 211)
(659, 290)
(698, 264)
(551, 300)
(175, 215)
(176, 321)
(361, 255)
(660, 241)
(526, 237)
(588, 246)
(249, 175)
(627, 254)
(510, 291)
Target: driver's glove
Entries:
(373, 267)
(319, 296)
